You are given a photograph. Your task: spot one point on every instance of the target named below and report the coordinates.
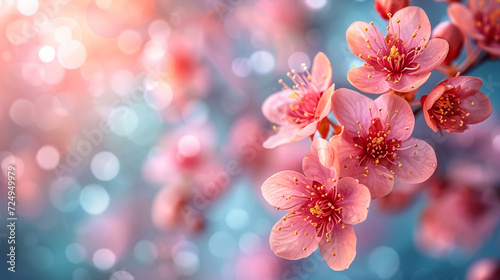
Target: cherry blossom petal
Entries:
(275, 107)
(291, 235)
(286, 134)
(432, 56)
(286, 190)
(356, 35)
(307, 131)
(350, 107)
(416, 161)
(313, 169)
(469, 85)
(378, 179)
(321, 72)
(325, 103)
(425, 109)
(388, 104)
(345, 154)
(410, 18)
(481, 109)
(376, 84)
(410, 82)
(433, 96)
(356, 200)
(463, 18)
(340, 252)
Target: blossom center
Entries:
(304, 98)
(488, 24)
(375, 144)
(392, 54)
(324, 211)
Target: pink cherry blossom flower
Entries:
(402, 60)
(299, 110)
(455, 103)
(375, 144)
(479, 21)
(322, 210)
(385, 7)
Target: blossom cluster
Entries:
(358, 154)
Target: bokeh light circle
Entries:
(121, 275)
(262, 62)
(237, 218)
(94, 199)
(27, 7)
(105, 166)
(47, 53)
(72, 54)
(75, 253)
(104, 259)
(384, 261)
(47, 157)
(22, 112)
(189, 146)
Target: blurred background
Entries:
(136, 130)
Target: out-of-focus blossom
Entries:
(251, 158)
(484, 269)
(455, 103)
(174, 208)
(402, 60)
(449, 32)
(322, 208)
(298, 111)
(479, 21)
(375, 144)
(184, 152)
(463, 216)
(385, 7)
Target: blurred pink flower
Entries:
(173, 209)
(484, 269)
(299, 110)
(455, 103)
(480, 22)
(385, 7)
(449, 32)
(402, 60)
(183, 152)
(463, 216)
(323, 210)
(375, 144)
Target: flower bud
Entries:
(385, 7)
(448, 31)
